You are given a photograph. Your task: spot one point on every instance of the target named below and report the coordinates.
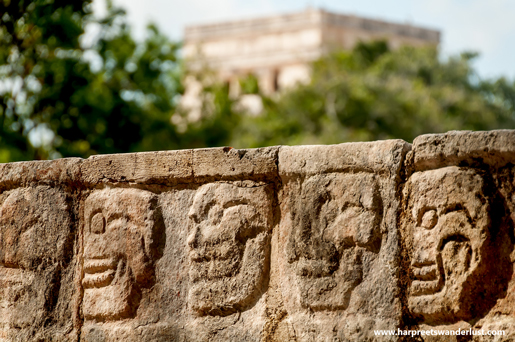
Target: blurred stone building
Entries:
(278, 49)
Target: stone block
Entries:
(163, 167)
(336, 253)
(38, 292)
(458, 221)
(175, 257)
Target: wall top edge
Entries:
(300, 19)
(376, 156)
(463, 148)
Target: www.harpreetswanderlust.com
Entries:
(433, 332)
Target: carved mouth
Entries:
(426, 280)
(222, 251)
(210, 262)
(10, 276)
(99, 272)
(213, 268)
(314, 268)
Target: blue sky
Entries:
(487, 27)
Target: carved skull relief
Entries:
(228, 247)
(449, 231)
(122, 232)
(336, 223)
(35, 228)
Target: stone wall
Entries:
(302, 243)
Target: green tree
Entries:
(373, 93)
(60, 97)
(30, 34)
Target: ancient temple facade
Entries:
(278, 49)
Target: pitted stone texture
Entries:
(123, 238)
(377, 157)
(210, 281)
(36, 265)
(184, 166)
(228, 163)
(163, 167)
(458, 224)
(159, 221)
(306, 243)
(337, 257)
(202, 222)
(336, 224)
(52, 173)
(495, 148)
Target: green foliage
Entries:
(218, 121)
(32, 34)
(373, 93)
(249, 85)
(62, 98)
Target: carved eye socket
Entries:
(98, 224)
(429, 219)
(215, 214)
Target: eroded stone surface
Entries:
(123, 238)
(338, 265)
(304, 243)
(229, 247)
(210, 280)
(336, 224)
(36, 268)
(450, 243)
(458, 232)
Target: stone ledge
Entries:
(493, 148)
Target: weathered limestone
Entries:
(458, 221)
(122, 231)
(337, 247)
(39, 293)
(229, 246)
(303, 243)
(177, 244)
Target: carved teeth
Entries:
(420, 288)
(315, 268)
(98, 280)
(426, 280)
(93, 266)
(99, 272)
(428, 273)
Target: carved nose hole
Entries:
(98, 224)
(424, 256)
(193, 236)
